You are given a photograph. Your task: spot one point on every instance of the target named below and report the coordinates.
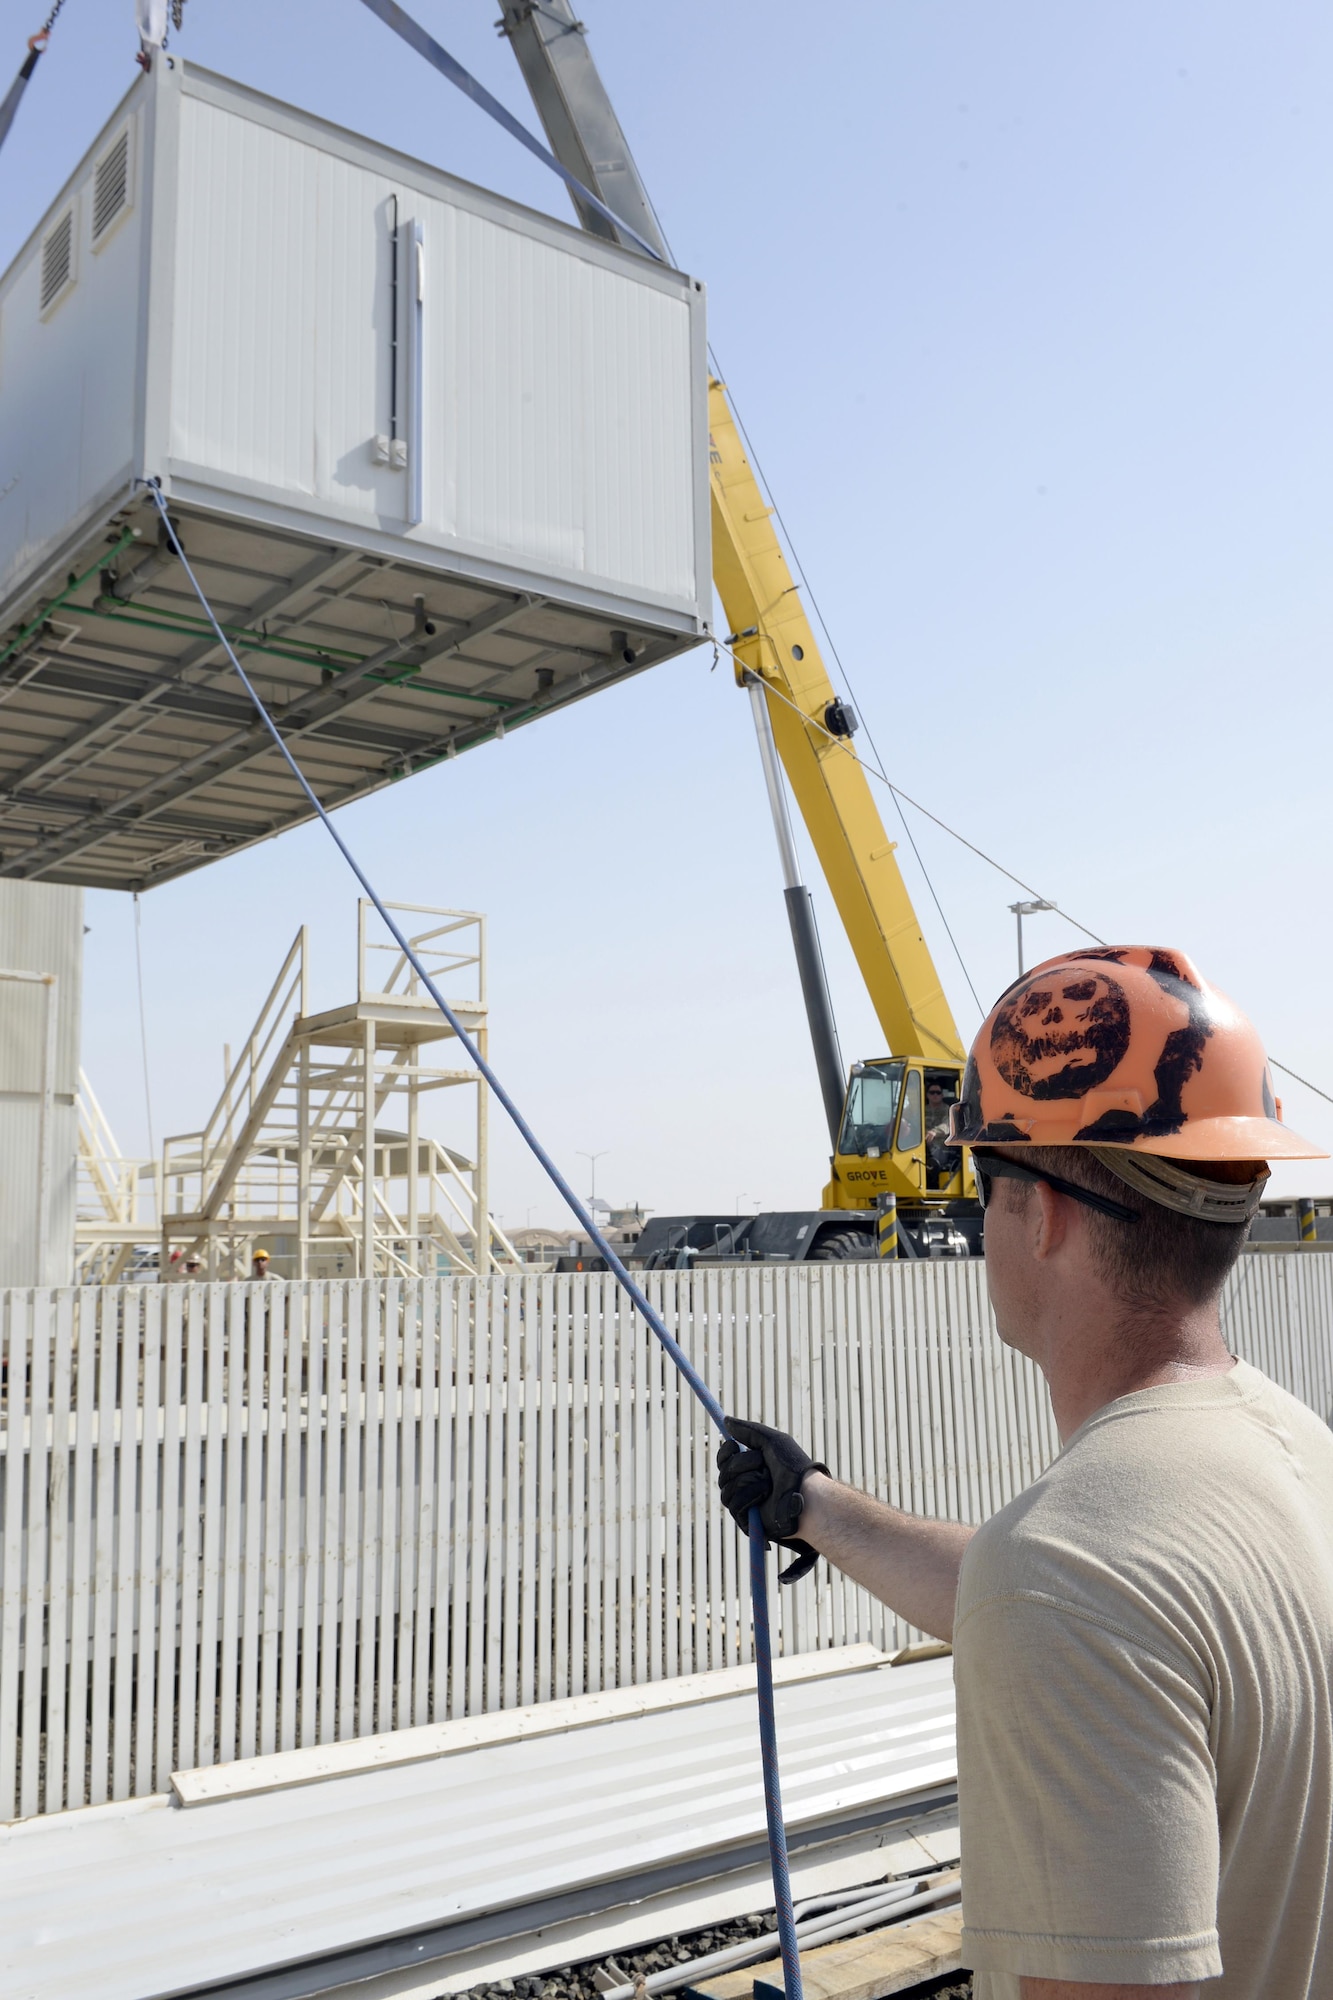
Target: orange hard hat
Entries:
(1123, 1046)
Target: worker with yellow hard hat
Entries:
(259, 1264)
(1143, 1640)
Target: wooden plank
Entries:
(508, 1544)
(149, 1560)
(640, 1583)
(490, 1577)
(551, 1494)
(511, 1725)
(384, 1518)
(442, 1321)
(592, 1640)
(212, 1539)
(673, 1500)
(407, 1501)
(16, 1309)
(253, 1580)
(697, 1482)
(231, 1419)
(35, 1592)
(354, 1422)
(104, 1563)
(870, 1967)
(429, 1605)
(372, 1336)
(122, 1420)
(169, 1559)
(191, 1565)
(83, 1504)
(571, 1551)
(723, 1359)
(371, 1511)
(479, 1502)
(309, 1466)
(333, 1655)
(532, 1480)
(289, 1625)
(461, 1296)
(62, 1391)
(629, 1464)
(659, 1494)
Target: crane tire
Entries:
(843, 1246)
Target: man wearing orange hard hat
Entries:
(1143, 1641)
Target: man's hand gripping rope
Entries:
(758, 1466)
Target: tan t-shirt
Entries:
(1143, 1654)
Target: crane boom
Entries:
(771, 634)
(773, 638)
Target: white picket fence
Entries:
(241, 1518)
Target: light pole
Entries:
(592, 1159)
(1021, 910)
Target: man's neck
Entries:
(1089, 1366)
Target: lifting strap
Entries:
(449, 66)
(150, 18)
(36, 50)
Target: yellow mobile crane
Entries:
(885, 1121)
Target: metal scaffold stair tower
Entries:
(117, 1205)
(314, 1150)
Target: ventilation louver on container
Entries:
(111, 186)
(58, 260)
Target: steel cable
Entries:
(777, 1838)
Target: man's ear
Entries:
(1049, 1220)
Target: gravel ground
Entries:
(575, 1982)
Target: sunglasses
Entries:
(989, 1167)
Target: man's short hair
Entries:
(1164, 1255)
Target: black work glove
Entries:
(760, 1467)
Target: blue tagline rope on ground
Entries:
(768, 1746)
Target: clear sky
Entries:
(1027, 308)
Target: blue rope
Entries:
(449, 66)
(768, 1739)
(768, 1743)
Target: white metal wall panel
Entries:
(239, 1519)
(564, 392)
(558, 416)
(246, 324)
(41, 932)
(69, 378)
(21, 1137)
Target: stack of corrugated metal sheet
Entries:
(302, 1883)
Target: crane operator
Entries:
(1143, 1640)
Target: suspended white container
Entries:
(322, 349)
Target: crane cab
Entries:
(894, 1136)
